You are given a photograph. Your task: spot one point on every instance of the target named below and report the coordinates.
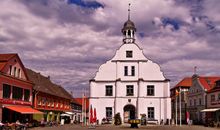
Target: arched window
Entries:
(129, 32)
(125, 33)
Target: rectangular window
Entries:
(26, 94)
(126, 71)
(108, 113)
(194, 102)
(212, 98)
(52, 103)
(150, 113)
(17, 93)
(48, 102)
(15, 71)
(219, 96)
(19, 73)
(108, 90)
(39, 100)
(6, 91)
(129, 54)
(132, 70)
(57, 104)
(200, 101)
(190, 102)
(61, 104)
(150, 90)
(10, 70)
(43, 101)
(130, 90)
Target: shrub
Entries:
(117, 119)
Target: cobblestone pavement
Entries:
(124, 127)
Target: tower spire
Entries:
(129, 11)
(129, 29)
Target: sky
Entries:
(69, 39)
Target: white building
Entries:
(130, 84)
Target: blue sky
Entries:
(70, 39)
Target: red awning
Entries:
(24, 109)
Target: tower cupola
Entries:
(128, 30)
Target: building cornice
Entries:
(138, 80)
(134, 97)
(129, 60)
(14, 78)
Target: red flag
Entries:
(95, 118)
(91, 115)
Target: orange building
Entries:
(184, 86)
(84, 103)
(15, 90)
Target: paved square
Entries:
(124, 127)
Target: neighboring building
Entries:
(77, 110)
(197, 97)
(184, 86)
(130, 84)
(213, 103)
(15, 90)
(48, 97)
(84, 103)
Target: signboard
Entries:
(16, 102)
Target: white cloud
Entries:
(69, 43)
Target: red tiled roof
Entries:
(74, 101)
(6, 57)
(45, 85)
(186, 82)
(208, 82)
(2, 65)
(79, 100)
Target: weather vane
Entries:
(129, 11)
(195, 69)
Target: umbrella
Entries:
(94, 118)
(187, 117)
(91, 115)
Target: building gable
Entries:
(196, 85)
(12, 65)
(112, 69)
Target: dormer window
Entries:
(217, 83)
(129, 54)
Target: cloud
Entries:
(211, 8)
(69, 42)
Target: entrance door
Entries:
(129, 112)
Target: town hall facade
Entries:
(130, 84)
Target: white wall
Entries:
(121, 89)
(100, 105)
(137, 53)
(97, 89)
(112, 73)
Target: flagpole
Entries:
(176, 108)
(180, 108)
(83, 109)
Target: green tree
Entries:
(117, 119)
